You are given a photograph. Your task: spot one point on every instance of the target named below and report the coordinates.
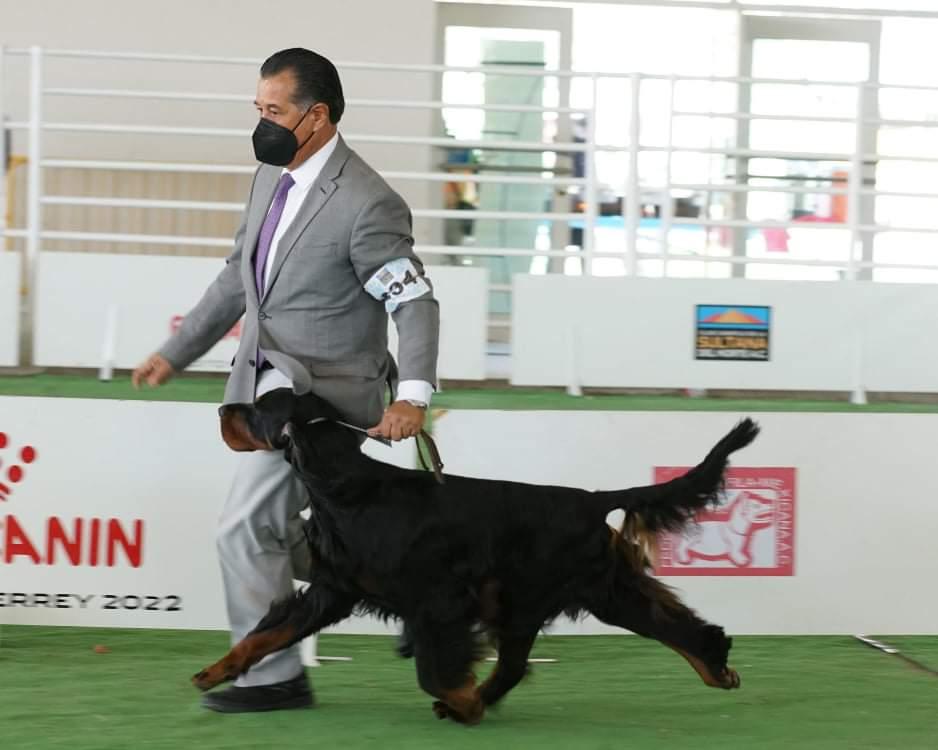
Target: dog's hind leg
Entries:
(511, 667)
(648, 608)
(287, 622)
(444, 654)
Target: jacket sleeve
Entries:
(382, 253)
(219, 309)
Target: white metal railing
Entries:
(635, 246)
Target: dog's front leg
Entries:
(288, 621)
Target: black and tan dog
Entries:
(470, 555)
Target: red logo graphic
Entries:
(752, 533)
(13, 475)
(80, 541)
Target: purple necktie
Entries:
(266, 237)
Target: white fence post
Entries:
(855, 187)
(633, 197)
(592, 194)
(34, 193)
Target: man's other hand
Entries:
(401, 420)
(154, 371)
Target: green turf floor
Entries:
(211, 390)
(605, 692)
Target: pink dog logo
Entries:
(750, 534)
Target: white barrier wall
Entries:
(640, 333)
(151, 294)
(9, 309)
(863, 504)
(108, 512)
(108, 524)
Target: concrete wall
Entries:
(640, 333)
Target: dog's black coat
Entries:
(475, 554)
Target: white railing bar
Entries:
(744, 224)
(107, 202)
(15, 233)
(447, 213)
(418, 213)
(142, 94)
(743, 152)
(147, 166)
(418, 104)
(897, 194)
(489, 69)
(499, 251)
(757, 116)
(735, 187)
(142, 239)
(248, 99)
(483, 251)
(480, 178)
(896, 123)
(783, 261)
(490, 145)
(144, 166)
(404, 140)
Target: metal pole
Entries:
(632, 191)
(855, 186)
(33, 196)
(667, 203)
(590, 209)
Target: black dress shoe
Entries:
(295, 693)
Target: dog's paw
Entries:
(212, 676)
(203, 680)
(730, 679)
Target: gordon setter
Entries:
(470, 557)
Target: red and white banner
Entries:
(108, 512)
(752, 533)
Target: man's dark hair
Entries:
(317, 80)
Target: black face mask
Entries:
(275, 144)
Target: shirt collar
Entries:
(306, 174)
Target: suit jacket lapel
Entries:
(257, 212)
(319, 194)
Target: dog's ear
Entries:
(236, 432)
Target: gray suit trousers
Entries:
(261, 549)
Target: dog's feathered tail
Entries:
(670, 505)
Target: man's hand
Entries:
(401, 420)
(154, 371)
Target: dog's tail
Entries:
(670, 505)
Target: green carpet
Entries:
(605, 692)
(210, 389)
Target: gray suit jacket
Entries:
(315, 322)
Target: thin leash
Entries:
(435, 463)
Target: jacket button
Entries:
(251, 362)
(262, 316)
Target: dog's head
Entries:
(274, 421)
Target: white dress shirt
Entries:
(303, 178)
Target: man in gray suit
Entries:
(323, 255)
